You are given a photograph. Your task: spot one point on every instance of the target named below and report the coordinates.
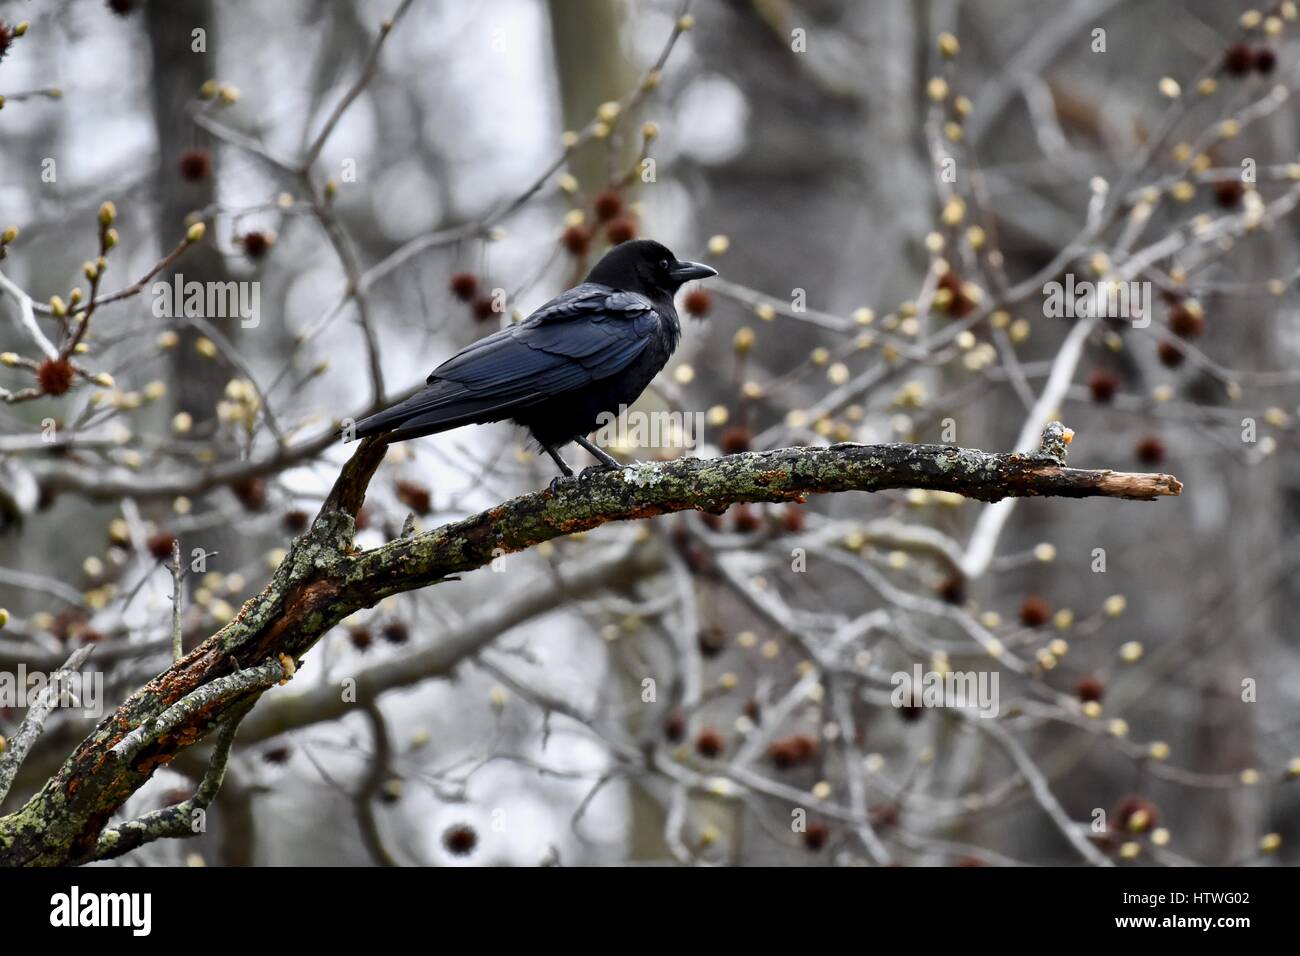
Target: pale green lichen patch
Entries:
(643, 474)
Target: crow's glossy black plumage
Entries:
(587, 351)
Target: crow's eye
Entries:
(663, 265)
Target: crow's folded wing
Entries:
(588, 333)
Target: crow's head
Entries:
(646, 266)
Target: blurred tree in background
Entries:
(888, 189)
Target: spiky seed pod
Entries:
(251, 492)
(1238, 60)
(736, 439)
(675, 726)
(1150, 450)
(710, 742)
(160, 545)
(622, 229)
(698, 302)
(1103, 384)
(1035, 611)
(464, 286)
(1171, 356)
(576, 239)
(296, 521)
(1090, 688)
(54, 375)
(195, 165)
(607, 205)
(256, 244)
(460, 839)
(816, 835)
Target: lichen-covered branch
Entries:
(323, 579)
(177, 820)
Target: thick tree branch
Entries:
(323, 579)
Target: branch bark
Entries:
(323, 579)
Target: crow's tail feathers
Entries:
(440, 407)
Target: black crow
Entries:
(586, 352)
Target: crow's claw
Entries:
(597, 469)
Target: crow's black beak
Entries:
(686, 271)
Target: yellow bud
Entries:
(948, 45)
(9, 235)
(208, 90)
(195, 232)
(107, 213)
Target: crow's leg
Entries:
(600, 454)
(560, 463)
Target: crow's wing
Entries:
(588, 333)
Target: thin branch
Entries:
(16, 752)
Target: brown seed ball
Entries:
(6, 37)
(160, 545)
(753, 709)
(607, 205)
(675, 726)
(745, 519)
(295, 522)
(1034, 611)
(195, 165)
(793, 519)
(484, 308)
(1150, 450)
(1171, 356)
(1090, 689)
(54, 376)
(256, 244)
(361, 637)
(698, 302)
(415, 496)
(1228, 192)
(793, 750)
(251, 492)
(622, 229)
(464, 286)
(1186, 322)
(815, 837)
(953, 589)
(710, 742)
(712, 641)
(1103, 384)
(277, 755)
(735, 439)
(460, 839)
(396, 632)
(1238, 59)
(577, 239)
(1265, 61)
